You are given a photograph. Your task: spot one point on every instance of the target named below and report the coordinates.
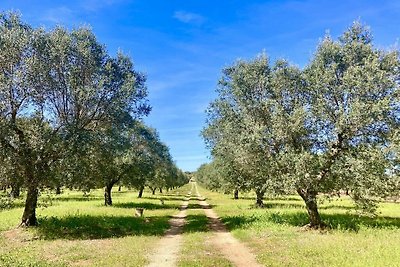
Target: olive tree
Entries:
(353, 105)
(54, 88)
(328, 128)
(247, 125)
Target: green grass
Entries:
(276, 235)
(79, 230)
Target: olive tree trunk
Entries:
(259, 198)
(107, 191)
(141, 192)
(310, 199)
(15, 190)
(236, 194)
(153, 190)
(107, 194)
(29, 215)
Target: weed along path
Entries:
(167, 250)
(233, 250)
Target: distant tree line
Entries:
(70, 115)
(329, 128)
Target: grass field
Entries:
(276, 236)
(80, 231)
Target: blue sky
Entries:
(182, 45)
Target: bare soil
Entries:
(168, 248)
(19, 235)
(230, 247)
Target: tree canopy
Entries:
(327, 128)
(69, 111)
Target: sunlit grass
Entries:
(79, 230)
(276, 236)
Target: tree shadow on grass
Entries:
(281, 205)
(85, 227)
(284, 198)
(11, 206)
(347, 222)
(333, 206)
(194, 198)
(173, 195)
(166, 198)
(123, 193)
(285, 205)
(82, 198)
(146, 205)
(196, 223)
(198, 206)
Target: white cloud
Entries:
(73, 15)
(58, 15)
(187, 17)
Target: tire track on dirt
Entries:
(231, 248)
(167, 250)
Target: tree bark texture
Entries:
(141, 192)
(236, 194)
(107, 194)
(260, 197)
(310, 199)
(29, 215)
(15, 190)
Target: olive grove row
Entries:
(70, 115)
(329, 128)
